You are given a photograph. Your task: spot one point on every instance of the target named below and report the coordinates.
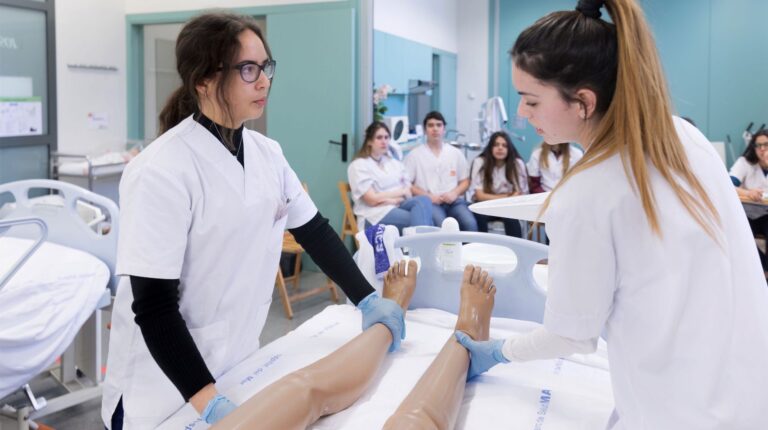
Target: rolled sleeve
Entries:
(155, 217)
(582, 272)
(410, 165)
(360, 179)
(522, 176)
(740, 169)
(533, 164)
(301, 208)
(477, 179)
(462, 169)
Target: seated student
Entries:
(548, 164)
(748, 174)
(505, 178)
(439, 172)
(381, 188)
(334, 382)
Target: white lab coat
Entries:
(436, 174)
(367, 174)
(189, 211)
(750, 175)
(686, 321)
(554, 171)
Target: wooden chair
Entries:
(290, 246)
(349, 222)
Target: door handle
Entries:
(343, 144)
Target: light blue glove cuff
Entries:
(482, 355)
(218, 408)
(384, 311)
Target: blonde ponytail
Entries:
(636, 120)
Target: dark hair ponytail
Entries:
(180, 105)
(750, 152)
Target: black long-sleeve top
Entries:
(156, 301)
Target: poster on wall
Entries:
(22, 116)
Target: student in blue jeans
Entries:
(440, 172)
(381, 187)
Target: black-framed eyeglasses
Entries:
(251, 70)
(761, 146)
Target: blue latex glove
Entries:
(385, 311)
(218, 408)
(482, 355)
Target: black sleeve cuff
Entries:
(327, 250)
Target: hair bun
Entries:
(590, 8)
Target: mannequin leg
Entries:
(330, 384)
(434, 401)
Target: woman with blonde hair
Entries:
(381, 187)
(649, 244)
(548, 164)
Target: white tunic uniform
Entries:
(367, 174)
(501, 184)
(686, 321)
(554, 171)
(750, 175)
(436, 174)
(189, 211)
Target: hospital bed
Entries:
(100, 174)
(573, 393)
(56, 272)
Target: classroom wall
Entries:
(428, 22)
(81, 92)
(712, 52)
(80, 40)
(407, 35)
(471, 65)
(153, 6)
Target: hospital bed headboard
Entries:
(517, 295)
(5, 225)
(65, 225)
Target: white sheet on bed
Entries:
(43, 306)
(553, 394)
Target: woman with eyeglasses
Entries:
(750, 177)
(203, 211)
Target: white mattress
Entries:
(110, 163)
(43, 306)
(552, 394)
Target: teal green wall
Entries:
(447, 87)
(712, 51)
(396, 60)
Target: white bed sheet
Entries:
(550, 394)
(43, 306)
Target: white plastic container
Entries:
(449, 253)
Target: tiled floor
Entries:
(88, 415)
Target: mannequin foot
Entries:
(399, 283)
(477, 296)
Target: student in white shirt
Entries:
(381, 188)
(439, 171)
(203, 211)
(548, 164)
(649, 244)
(498, 172)
(750, 177)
